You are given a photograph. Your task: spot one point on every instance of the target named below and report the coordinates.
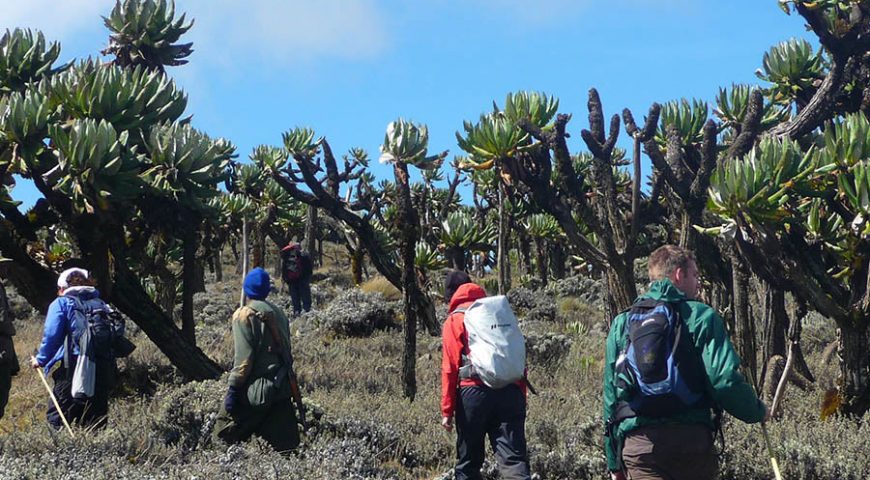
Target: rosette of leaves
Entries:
(792, 67)
(290, 213)
(460, 231)
(493, 137)
(145, 32)
(186, 164)
(687, 117)
(130, 99)
(25, 57)
(845, 162)
(732, 105)
(301, 141)
(95, 167)
(249, 180)
(758, 186)
(408, 142)
(427, 259)
(269, 158)
(537, 108)
(24, 120)
(543, 226)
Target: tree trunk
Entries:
(541, 259)
(854, 381)
(310, 244)
(410, 233)
(526, 254)
(456, 257)
(129, 296)
(188, 283)
(244, 264)
(557, 260)
(503, 247)
(744, 331)
(218, 266)
(356, 265)
(621, 290)
(775, 324)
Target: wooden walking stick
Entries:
(54, 400)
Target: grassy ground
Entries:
(161, 427)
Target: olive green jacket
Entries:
(729, 388)
(257, 355)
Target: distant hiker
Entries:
(669, 366)
(262, 381)
(80, 333)
(483, 403)
(296, 270)
(8, 360)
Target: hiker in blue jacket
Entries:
(62, 329)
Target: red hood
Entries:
(466, 293)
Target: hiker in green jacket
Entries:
(677, 444)
(258, 400)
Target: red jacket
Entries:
(454, 345)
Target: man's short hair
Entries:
(665, 260)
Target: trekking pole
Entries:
(54, 400)
(770, 454)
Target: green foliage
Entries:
(144, 32)
(543, 225)
(187, 164)
(792, 67)
(427, 259)
(128, 98)
(406, 142)
(25, 58)
(732, 105)
(459, 230)
(495, 136)
(757, 185)
(537, 108)
(25, 117)
(301, 141)
(687, 118)
(94, 164)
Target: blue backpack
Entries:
(659, 372)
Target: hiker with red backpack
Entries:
(296, 271)
(670, 370)
(483, 380)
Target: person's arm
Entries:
(609, 393)
(450, 362)
(729, 387)
(54, 332)
(244, 346)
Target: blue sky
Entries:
(348, 67)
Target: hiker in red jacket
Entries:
(480, 411)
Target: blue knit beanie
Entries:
(257, 284)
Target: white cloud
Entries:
(282, 32)
(58, 19)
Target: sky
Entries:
(346, 68)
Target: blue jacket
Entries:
(60, 322)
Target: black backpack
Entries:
(659, 372)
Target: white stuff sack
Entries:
(85, 372)
(497, 349)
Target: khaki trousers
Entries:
(670, 452)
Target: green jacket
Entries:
(729, 388)
(257, 356)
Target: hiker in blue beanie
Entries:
(261, 382)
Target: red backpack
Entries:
(291, 263)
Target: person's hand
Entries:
(447, 423)
(34, 363)
(620, 475)
(233, 399)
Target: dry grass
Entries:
(381, 285)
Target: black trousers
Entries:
(500, 415)
(300, 295)
(92, 412)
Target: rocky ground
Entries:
(348, 356)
